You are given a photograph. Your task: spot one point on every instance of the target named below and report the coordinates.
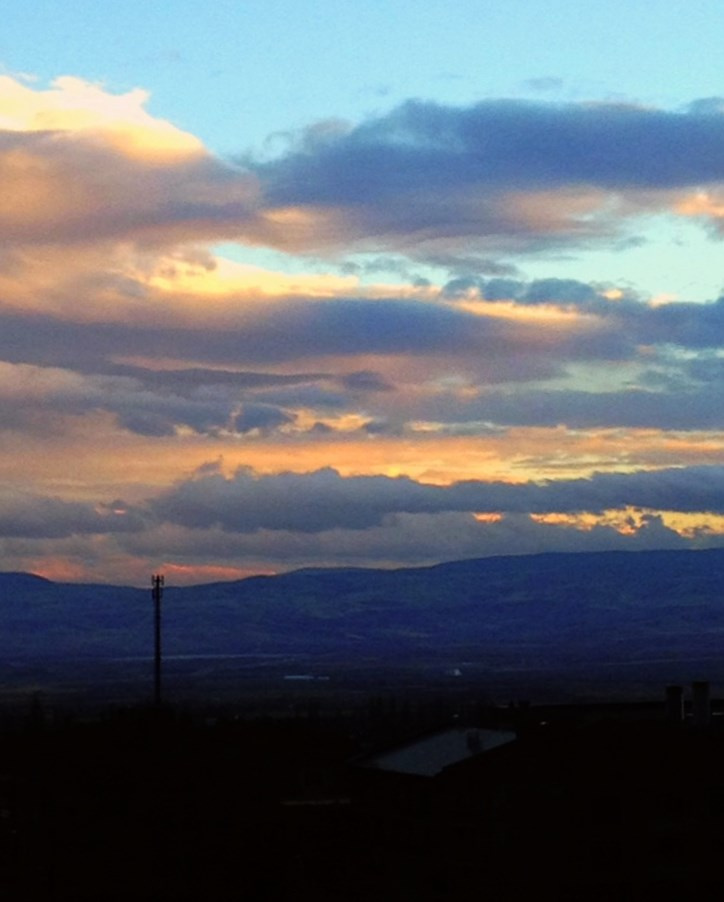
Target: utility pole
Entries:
(156, 594)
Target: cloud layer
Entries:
(395, 382)
(501, 173)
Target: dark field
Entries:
(271, 682)
(267, 798)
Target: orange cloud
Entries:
(627, 521)
(78, 164)
(94, 459)
(709, 204)
(74, 105)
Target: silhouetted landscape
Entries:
(554, 627)
(366, 734)
(588, 802)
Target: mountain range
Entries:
(596, 607)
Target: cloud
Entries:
(505, 143)
(261, 417)
(66, 188)
(132, 346)
(686, 324)
(27, 515)
(365, 381)
(424, 181)
(561, 292)
(408, 539)
(72, 104)
(289, 520)
(78, 164)
(416, 347)
(627, 408)
(192, 378)
(323, 500)
(284, 331)
(512, 174)
(204, 401)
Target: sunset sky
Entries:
(375, 284)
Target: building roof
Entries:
(430, 755)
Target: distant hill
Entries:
(616, 606)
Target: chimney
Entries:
(700, 703)
(674, 704)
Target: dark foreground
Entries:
(597, 802)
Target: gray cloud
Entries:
(503, 144)
(303, 329)
(101, 192)
(672, 393)
(294, 519)
(425, 174)
(263, 417)
(365, 381)
(324, 500)
(412, 182)
(410, 539)
(686, 324)
(27, 515)
(632, 408)
(39, 394)
(182, 381)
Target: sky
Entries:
(296, 285)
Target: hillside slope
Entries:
(560, 605)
